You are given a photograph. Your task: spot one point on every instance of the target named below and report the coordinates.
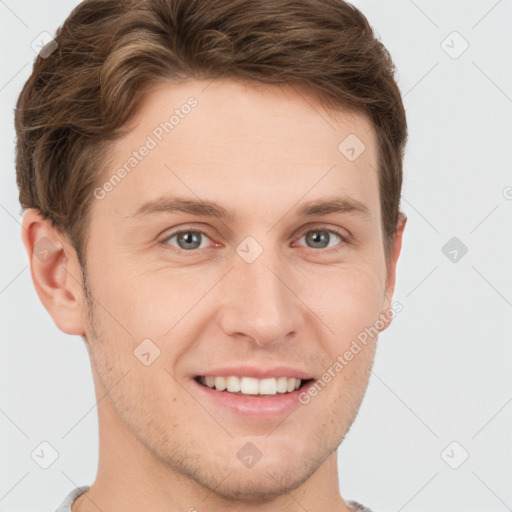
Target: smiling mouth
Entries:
(252, 386)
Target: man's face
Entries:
(268, 288)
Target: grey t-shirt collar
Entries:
(65, 506)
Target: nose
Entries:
(259, 302)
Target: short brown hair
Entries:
(110, 52)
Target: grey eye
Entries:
(187, 240)
(319, 238)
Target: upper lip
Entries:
(258, 373)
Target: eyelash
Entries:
(344, 238)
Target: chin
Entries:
(227, 478)
(258, 485)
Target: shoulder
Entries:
(65, 506)
(358, 507)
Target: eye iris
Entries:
(313, 237)
(187, 237)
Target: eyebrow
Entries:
(212, 209)
(334, 205)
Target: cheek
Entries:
(348, 301)
(350, 305)
(141, 302)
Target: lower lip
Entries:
(254, 406)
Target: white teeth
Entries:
(281, 384)
(220, 383)
(233, 384)
(251, 385)
(268, 387)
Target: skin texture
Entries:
(262, 151)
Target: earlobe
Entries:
(55, 271)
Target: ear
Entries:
(55, 270)
(391, 270)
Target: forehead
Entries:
(256, 108)
(244, 142)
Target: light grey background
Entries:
(443, 369)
